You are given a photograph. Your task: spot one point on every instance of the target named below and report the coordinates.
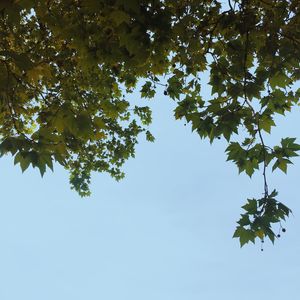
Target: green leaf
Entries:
(279, 79)
(281, 163)
(244, 220)
(251, 206)
(149, 136)
(266, 122)
(23, 159)
(284, 208)
(245, 235)
(147, 90)
(119, 17)
(84, 125)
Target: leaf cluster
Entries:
(259, 216)
(67, 69)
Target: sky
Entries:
(163, 233)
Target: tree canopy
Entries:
(67, 69)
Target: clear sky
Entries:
(163, 233)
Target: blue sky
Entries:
(163, 233)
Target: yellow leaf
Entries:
(99, 136)
(260, 233)
(39, 72)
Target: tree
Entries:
(67, 69)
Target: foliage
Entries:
(67, 69)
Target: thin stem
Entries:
(255, 115)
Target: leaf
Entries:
(26, 4)
(149, 136)
(260, 233)
(99, 122)
(289, 143)
(245, 235)
(42, 167)
(244, 220)
(130, 6)
(45, 159)
(279, 79)
(147, 90)
(281, 163)
(266, 122)
(269, 232)
(84, 125)
(38, 72)
(21, 59)
(251, 206)
(23, 160)
(119, 17)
